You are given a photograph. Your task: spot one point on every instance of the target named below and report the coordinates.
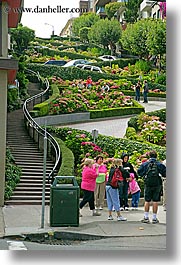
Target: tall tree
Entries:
(132, 8)
(156, 39)
(83, 33)
(145, 37)
(113, 8)
(22, 36)
(105, 32)
(86, 20)
(135, 36)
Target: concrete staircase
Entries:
(29, 158)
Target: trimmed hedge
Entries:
(42, 109)
(71, 73)
(67, 163)
(150, 94)
(115, 112)
(159, 113)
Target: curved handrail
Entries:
(32, 123)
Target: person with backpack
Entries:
(123, 190)
(116, 176)
(152, 170)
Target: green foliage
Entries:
(159, 113)
(142, 66)
(67, 161)
(110, 145)
(12, 99)
(83, 33)
(105, 32)
(161, 79)
(156, 38)
(85, 20)
(12, 174)
(112, 8)
(145, 37)
(22, 36)
(131, 13)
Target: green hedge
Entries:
(115, 112)
(71, 73)
(67, 161)
(42, 109)
(150, 94)
(159, 113)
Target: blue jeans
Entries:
(137, 96)
(112, 196)
(145, 99)
(123, 195)
(135, 199)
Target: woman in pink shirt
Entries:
(88, 184)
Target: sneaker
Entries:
(121, 218)
(96, 213)
(110, 217)
(126, 209)
(121, 209)
(164, 208)
(132, 208)
(145, 220)
(155, 221)
(100, 208)
(80, 215)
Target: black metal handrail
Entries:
(31, 123)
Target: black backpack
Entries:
(152, 178)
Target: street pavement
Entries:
(27, 219)
(115, 126)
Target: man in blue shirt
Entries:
(152, 192)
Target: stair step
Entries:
(31, 194)
(28, 157)
(21, 197)
(26, 202)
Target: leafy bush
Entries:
(142, 66)
(159, 113)
(12, 175)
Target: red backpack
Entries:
(117, 179)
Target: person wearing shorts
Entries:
(152, 193)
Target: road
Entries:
(119, 243)
(114, 127)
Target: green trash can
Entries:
(64, 201)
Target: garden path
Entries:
(116, 126)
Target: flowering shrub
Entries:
(74, 100)
(152, 129)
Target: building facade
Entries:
(8, 69)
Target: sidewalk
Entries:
(26, 219)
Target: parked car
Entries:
(108, 57)
(56, 62)
(74, 62)
(89, 67)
